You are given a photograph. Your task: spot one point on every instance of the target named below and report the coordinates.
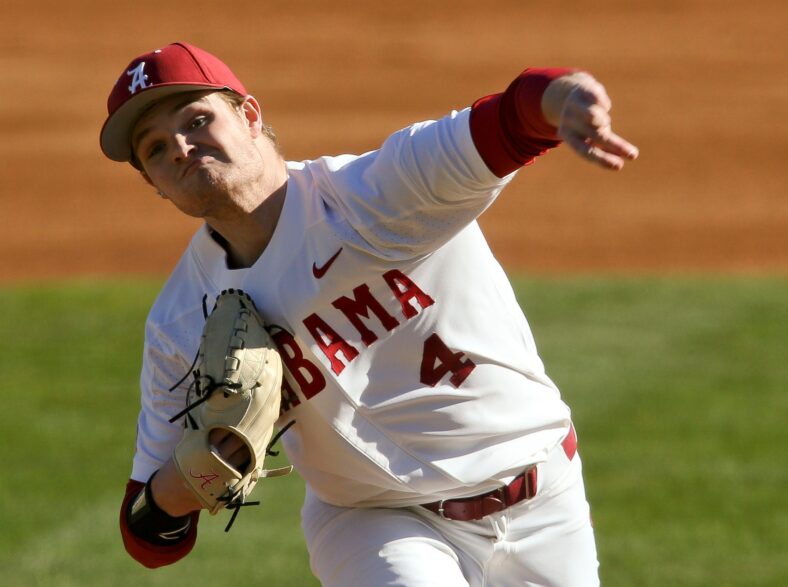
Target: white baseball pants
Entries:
(547, 540)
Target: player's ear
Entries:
(253, 115)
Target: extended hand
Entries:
(579, 107)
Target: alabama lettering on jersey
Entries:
(410, 370)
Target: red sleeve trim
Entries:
(145, 553)
(508, 129)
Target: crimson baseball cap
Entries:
(176, 68)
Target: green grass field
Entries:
(678, 389)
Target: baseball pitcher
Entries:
(352, 304)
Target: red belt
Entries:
(522, 487)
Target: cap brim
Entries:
(116, 132)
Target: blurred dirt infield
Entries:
(700, 86)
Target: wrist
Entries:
(172, 493)
(148, 521)
(509, 129)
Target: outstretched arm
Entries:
(541, 108)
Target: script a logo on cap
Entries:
(138, 78)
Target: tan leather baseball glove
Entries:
(237, 387)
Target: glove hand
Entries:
(238, 390)
(170, 491)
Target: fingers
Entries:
(610, 152)
(230, 448)
(586, 126)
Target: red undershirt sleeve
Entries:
(508, 129)
(145, 553)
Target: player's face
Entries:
(199, 151)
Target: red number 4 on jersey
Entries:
(438, 360)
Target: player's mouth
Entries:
(192, 166)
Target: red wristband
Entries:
(509, 129)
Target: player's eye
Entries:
(198, 122)
(154, 149)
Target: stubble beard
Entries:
(228, 189)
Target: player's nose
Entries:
(181, 148)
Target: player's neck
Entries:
(245, 237)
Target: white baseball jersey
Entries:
(411, 372)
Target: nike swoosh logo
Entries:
(319, 272)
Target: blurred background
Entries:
(657, 295)
(699, 85)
